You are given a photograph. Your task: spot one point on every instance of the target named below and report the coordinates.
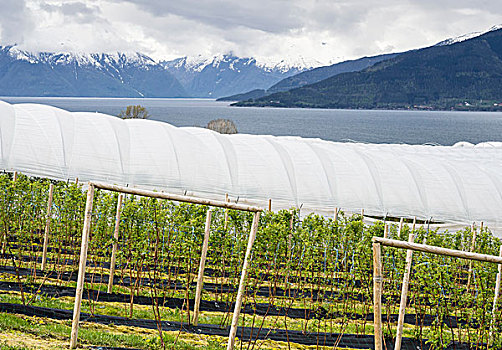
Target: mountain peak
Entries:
(468, 36)
(136, 59)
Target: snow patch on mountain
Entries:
(119, 59)
(468, 36)
(284, 65)
(299, 63)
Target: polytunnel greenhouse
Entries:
(106, 223)
(458, 184)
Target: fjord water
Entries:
(375, 126)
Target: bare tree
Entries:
(134, 112)
(223, 126)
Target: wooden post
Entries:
(4, 237)
(335, 217)
(47, 227)
(495, 300)
(401, 223)
(200, 278)
(115, 243)
(377, 295)
(386, 231)
(473, 246)
(81, 269)
(226, 212)
(270, 204)
(362, 214)
(404, 294)
(240, 292)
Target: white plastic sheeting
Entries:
(458, 184)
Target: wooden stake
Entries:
(495, 300)
(473, 246)
(290, 235)
(362, 214)
(4, 237)
(335, 217)
(226, 211)
(270, 205)
(377, 295)
(404, 295)
(115, 242)
(240, 292)
(81, 269)
(401, 223)
(200, 278)
(385, 235)
(47, 227)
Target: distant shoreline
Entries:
(383, 108)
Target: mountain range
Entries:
(227, 74)
(462, 73)
(84, 75)
(310, 77)
(24, 73)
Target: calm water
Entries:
(413, 127)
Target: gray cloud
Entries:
(15, 21)
(75, 11)
(270, 16)
(324, 30)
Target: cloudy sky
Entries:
(326, 31)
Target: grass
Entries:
(46, 333)
(27, 333)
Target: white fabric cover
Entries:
(458, 184)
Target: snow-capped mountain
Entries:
(227, 74)
(468, 36)
(288, 63)
(24, 73)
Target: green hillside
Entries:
(465, 75)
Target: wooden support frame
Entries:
(472, 248)
(226, 212)
(377, 294)
(81, 268)
(200, 277)
(174, 197)
(242, 283)
(404, 294)
(47, 227)
(495, 300)
(115, 242)
(377, 277)
(160, 195)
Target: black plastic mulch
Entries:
(210, 287)
(244, 333)
(262, 309)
